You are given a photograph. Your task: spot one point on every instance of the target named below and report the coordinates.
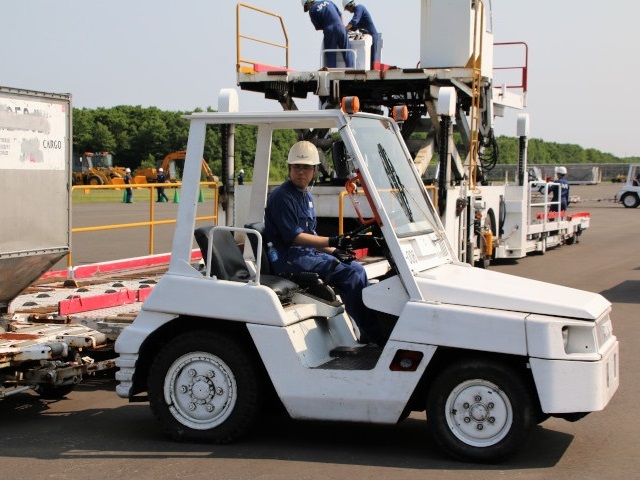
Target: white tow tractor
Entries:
(486, 355)
(629, 194)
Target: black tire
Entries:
(480, 411)
(93, 180)
(490, 222)
(203, 387)
(630, 200)
(54, 392)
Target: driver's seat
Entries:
(310, 282)
(227, 263)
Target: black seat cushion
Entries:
(283, 288)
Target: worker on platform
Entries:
(363, 22)
(161, 178)
(128, 191)
(290, 223)
(326, 16)
(559, 190)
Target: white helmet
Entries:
(241, 170)
(303, 153)
(304, 2)
(128, 170)
(348, 2)
(561, 170)
(160, 170)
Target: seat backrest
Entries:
(265, 268)
(227, 262)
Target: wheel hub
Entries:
(479, 413)
(200, 390)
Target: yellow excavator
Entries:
(170, 169)
(96, 169)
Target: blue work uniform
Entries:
(128, 191)
(325, 16)
(362, 21)
(161, 178)
(289, 213)
(561, 187)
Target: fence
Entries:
(578, 173)
(151, 223)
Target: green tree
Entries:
(103, 139)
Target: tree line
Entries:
(143, 136)
(540, 152)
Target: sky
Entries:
(584, 64)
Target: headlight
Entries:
(605, 331)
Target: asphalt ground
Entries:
(95, 434)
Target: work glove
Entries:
(344, 257)
(341, 242)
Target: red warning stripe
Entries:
(78, 304)
(87, 271)
(563, 214)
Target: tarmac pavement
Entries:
(95, 434)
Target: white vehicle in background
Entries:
(486, 355)
(629, 194)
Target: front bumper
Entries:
(571, 386)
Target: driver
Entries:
(290, 223)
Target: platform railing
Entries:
(522, 69)
(245, 65)
(343, 51)
(548, 216)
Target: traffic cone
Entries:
(200, 197)
(176, 196)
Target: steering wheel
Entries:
(361, 238)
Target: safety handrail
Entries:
(242, 62)
(523, 68)
(546, 204)
(247, 232)
(338, 50)
(152, 222)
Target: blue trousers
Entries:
(375, 54)
(349, 279)
(335, 37)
